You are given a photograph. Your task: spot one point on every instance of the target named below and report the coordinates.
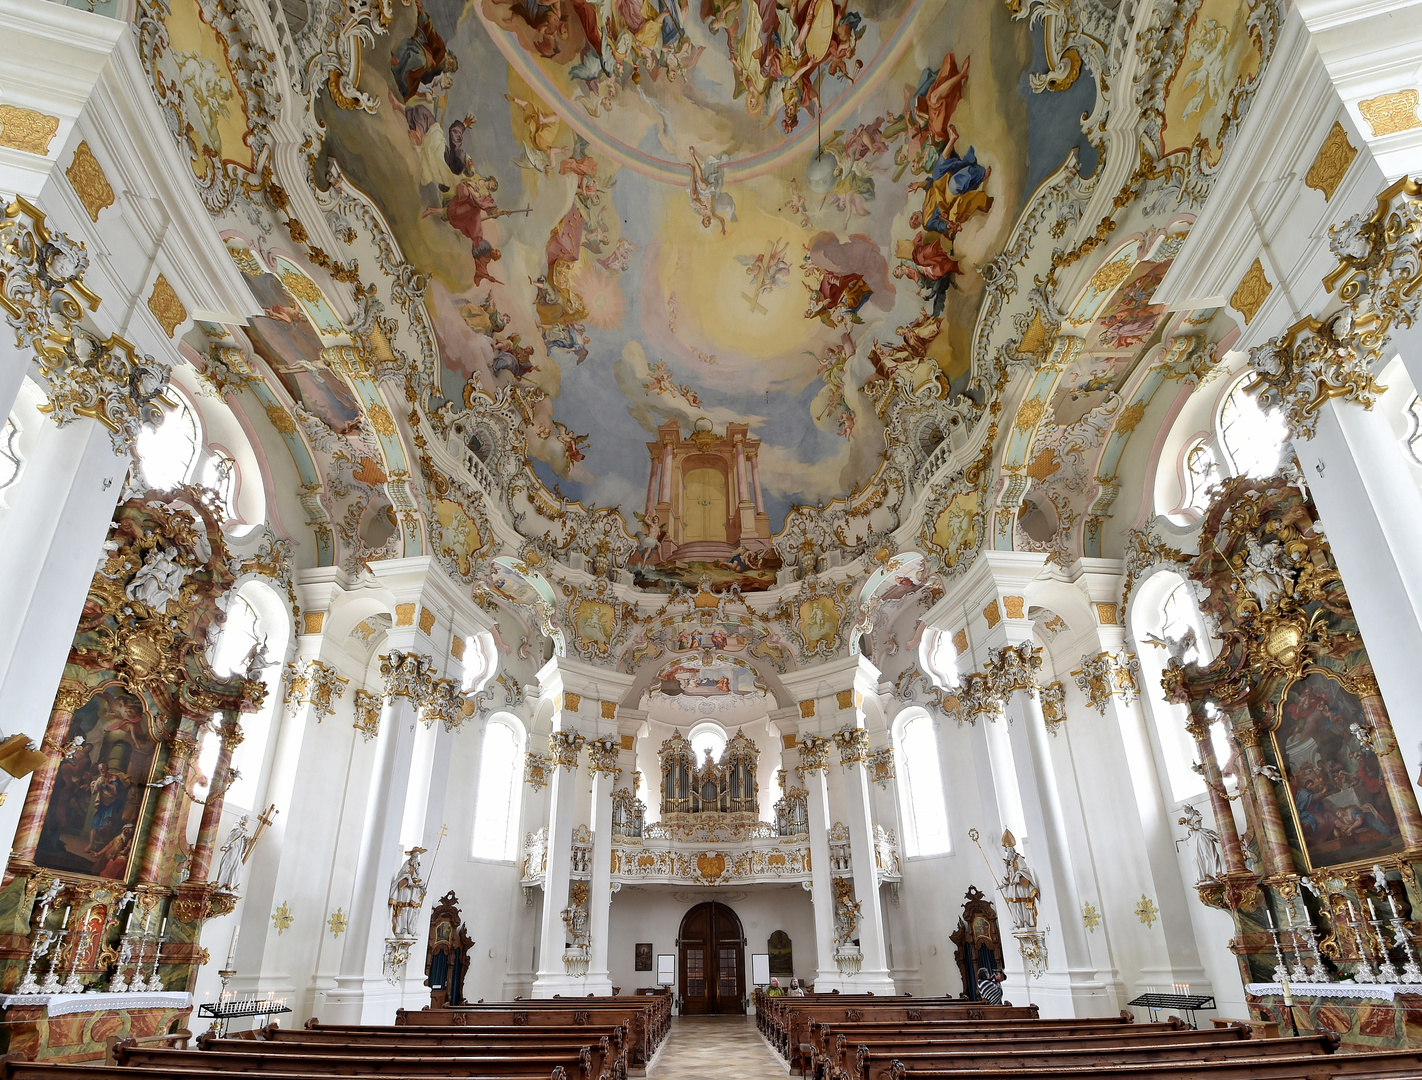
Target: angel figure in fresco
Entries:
(649, 538)
(928, 262)
(707, 199)
(538, 144)
(1209, 47)
(570, 337)
(619, 258)
(572, 444)
(421, 58)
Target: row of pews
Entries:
(551, 1039)
(852, 1037)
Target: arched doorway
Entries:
(712, 961)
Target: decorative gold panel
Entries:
(1253, 289)
(572, 702)
(1106, 614)
(845, 699)
(32, 132)
(456, 648)
(404, 614)
(1014, 606)
(313, 621)
(1388, 114)
(166, 307)
(86, 177)
(807, 709)
(960, 642)
(993, 614)
(1331, 162)
(427, 619)
(609, 712)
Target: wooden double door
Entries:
(712, 959)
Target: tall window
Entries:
(1252, 437)
(926, 811)
(167, 452)
(240, 632)
(500, 780)
(10, 459)
(707, 737)
(1167, 624)
(1202, 475)
(219, 472)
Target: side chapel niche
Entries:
(1322, 880)
(102, 889)
(726, 787)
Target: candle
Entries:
(232, 947)
(65, 925)
(164, 928)
(1269, 915)
(1288, 997)
(1372, 911)
(1352, 912)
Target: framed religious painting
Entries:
(97, 802)
(644, 956)
(1339, 800)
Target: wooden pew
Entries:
(1017, 1059)
(12, 1068)
(842, 1051)
(577, 1064)
(653, 1014)
(796, 1032)
(1361, 1065)
(606, 1060)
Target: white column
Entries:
(873, 977)
(1371, 510)
(50, 543)
(1070, 987)
(827, 975)
(552, 978)
(362, 996)
(599, 980)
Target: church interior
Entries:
(961, 615)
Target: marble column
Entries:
(201, 861)
(27, 833)
(1199, 727)
(1273, 844)
(170, 801)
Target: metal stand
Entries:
(224, 1012)
(1188, 1003)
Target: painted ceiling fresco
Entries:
(706, 338)
(640, 213)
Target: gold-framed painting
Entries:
(1339, 800)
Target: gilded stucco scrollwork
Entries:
(408, 675)
(311, 682)
(853, 746)
(1105, 675)
(564, 748)
(1311, 363)
(44, 299)
(602, 757)
(1053, 698)
(814, 753)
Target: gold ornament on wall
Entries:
(1251, 292)
(1146, 910)
(1388, 114)
(86, 177)
(27, 130)
(1090, 917)
(282, 918)
(163, 302)
(337, 922)
(1331, 162)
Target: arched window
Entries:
(167, 453)
(1167, 623)
(500, 781)
(1202, 475)
(1251, 437)
(922, 790)
(240, 632)
(219, 472)
(255, 614)
(706, 737)
(10, 458)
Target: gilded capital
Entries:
(367, 714)
(602, 757)
(1310, 363)
(1106, 675)
(564, 748)
(853, 744)
(814, 753)
(408, 675)
(311, 682)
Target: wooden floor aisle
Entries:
(715, 1048)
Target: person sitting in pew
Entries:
(989, 986)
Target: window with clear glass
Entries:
(240, 633)
(1202, 475)
(1182, 625)
(167, 453)
(10, 460)
(1252, 437)
(219, 472)
(923, 780)
(708, 739)
(500, 781)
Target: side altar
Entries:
(1317, 834)
(103, 900)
